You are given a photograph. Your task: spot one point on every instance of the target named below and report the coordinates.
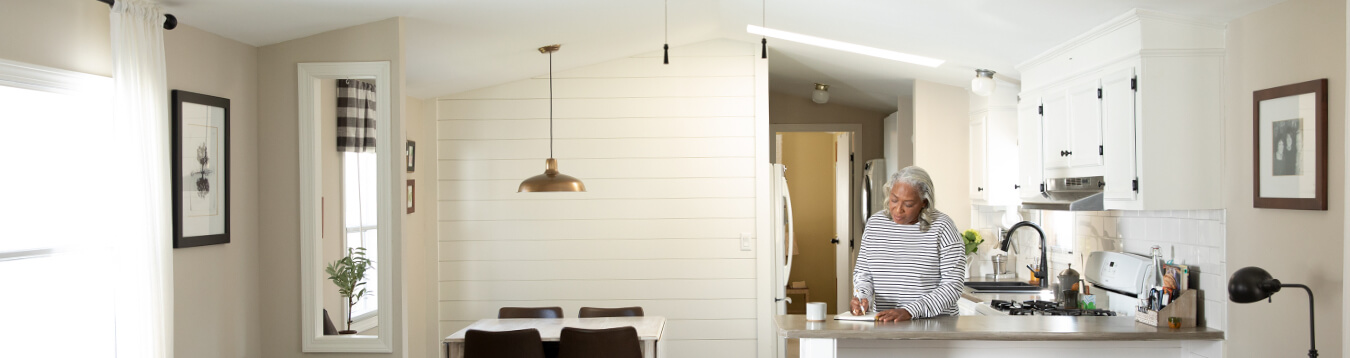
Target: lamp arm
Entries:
(1312, 325)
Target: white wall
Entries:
(667, 154)
(941, 137)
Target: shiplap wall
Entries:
(667, 153)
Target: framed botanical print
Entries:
(200, 164)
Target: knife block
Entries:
(1183, 306)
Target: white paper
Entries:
(848, 316)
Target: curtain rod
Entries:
(170, 21)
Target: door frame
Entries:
(855, 185)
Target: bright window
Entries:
(55, 251)
(359, 220)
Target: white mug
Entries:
(815, 311)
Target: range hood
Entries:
(1068, 194)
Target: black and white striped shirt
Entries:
(901, 267)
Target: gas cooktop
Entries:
(1044, 308)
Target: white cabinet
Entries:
(993, 156)
(1029, 173)
(1137, 101)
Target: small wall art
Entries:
(201, 168)
(1290, 148)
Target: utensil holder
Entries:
(1183, 306)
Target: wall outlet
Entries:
(745, 241)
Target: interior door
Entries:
(843, 180)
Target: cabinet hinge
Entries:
(850, 157)
(1099, 93)
(1134, 83)
(1135, 185)
(1040, 109)
(1042, 187)
(1100, 151)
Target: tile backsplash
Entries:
(1195, 238)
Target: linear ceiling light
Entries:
(844, 46)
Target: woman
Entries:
(912, 260)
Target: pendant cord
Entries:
(550, 104)
(763, 41)
(665, 48)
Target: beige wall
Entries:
(1291, 42)
(941, 137)
(419, 231)
(65, 34)
(904, 153)
(809, 157)
(216, 287)
(790, 109)
(279, 195)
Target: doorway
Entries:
(820, 177)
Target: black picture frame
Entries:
(1290, 119)
(410, 156)
(202, 216)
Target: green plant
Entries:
(349, 274)
(972, 240)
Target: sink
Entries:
(1001, 286)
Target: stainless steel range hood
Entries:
(1068, 194)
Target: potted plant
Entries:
(349, 274)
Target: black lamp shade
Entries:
(1251, 284)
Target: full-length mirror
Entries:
(347, 210)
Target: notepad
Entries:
(848, 316)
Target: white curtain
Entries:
(144, 258)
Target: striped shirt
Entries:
(901, 267)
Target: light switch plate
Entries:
(745, 241)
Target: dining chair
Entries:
(617, 342)
(523, 343)
(530, 312)
(589, 312)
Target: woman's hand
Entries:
(895, 315)
(858, 306)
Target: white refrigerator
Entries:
(782, 236)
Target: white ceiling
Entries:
(458, 45)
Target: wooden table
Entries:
(649, 330)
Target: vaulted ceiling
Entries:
(458, 45)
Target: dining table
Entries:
(649, 330)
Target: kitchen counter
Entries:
(993, 328)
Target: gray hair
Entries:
(917, 178)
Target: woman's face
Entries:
(905, 204)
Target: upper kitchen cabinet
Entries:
(1137, 101)
(993, 147)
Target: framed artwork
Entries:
(200, 162)
(412, 196)
(410, 156)
(1290, 148)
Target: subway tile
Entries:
(1109, 227)
(1216, 315)
(1193, 233)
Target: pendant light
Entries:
(983, 84)
(666, 46)
(551, 180)
(763, 39)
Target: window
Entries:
(55, 249)
(359, 221)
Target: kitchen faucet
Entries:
(1043, 274)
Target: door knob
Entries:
(834, 241)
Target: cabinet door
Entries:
(1029, 152)
(1055, 140)
(1001, 156)
(1085, 124)
(978, 156)
(1118, 111)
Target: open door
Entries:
(843, 179)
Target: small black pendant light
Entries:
(551, 180)
(666, 47)
(763, 41)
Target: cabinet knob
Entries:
(979, 189)
(1017, 186)
(1068, 153)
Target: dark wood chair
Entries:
(589, 312)
(524, 343)
(530, 312)
(618, 342)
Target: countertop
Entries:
(993, 328)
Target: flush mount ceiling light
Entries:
(551, 180)
(821, 94)
(983, 84)
(844, 46)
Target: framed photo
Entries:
(201, 169)
(412, 196)
(1290, 149)
(410, 156)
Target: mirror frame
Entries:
(311, 194)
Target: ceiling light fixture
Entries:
(983, 84)
(821, 94)
(666, 47)
(844, 46)
(763, 39)
(551, 180)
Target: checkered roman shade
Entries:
(355, 116)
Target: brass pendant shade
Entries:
(551, 180)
